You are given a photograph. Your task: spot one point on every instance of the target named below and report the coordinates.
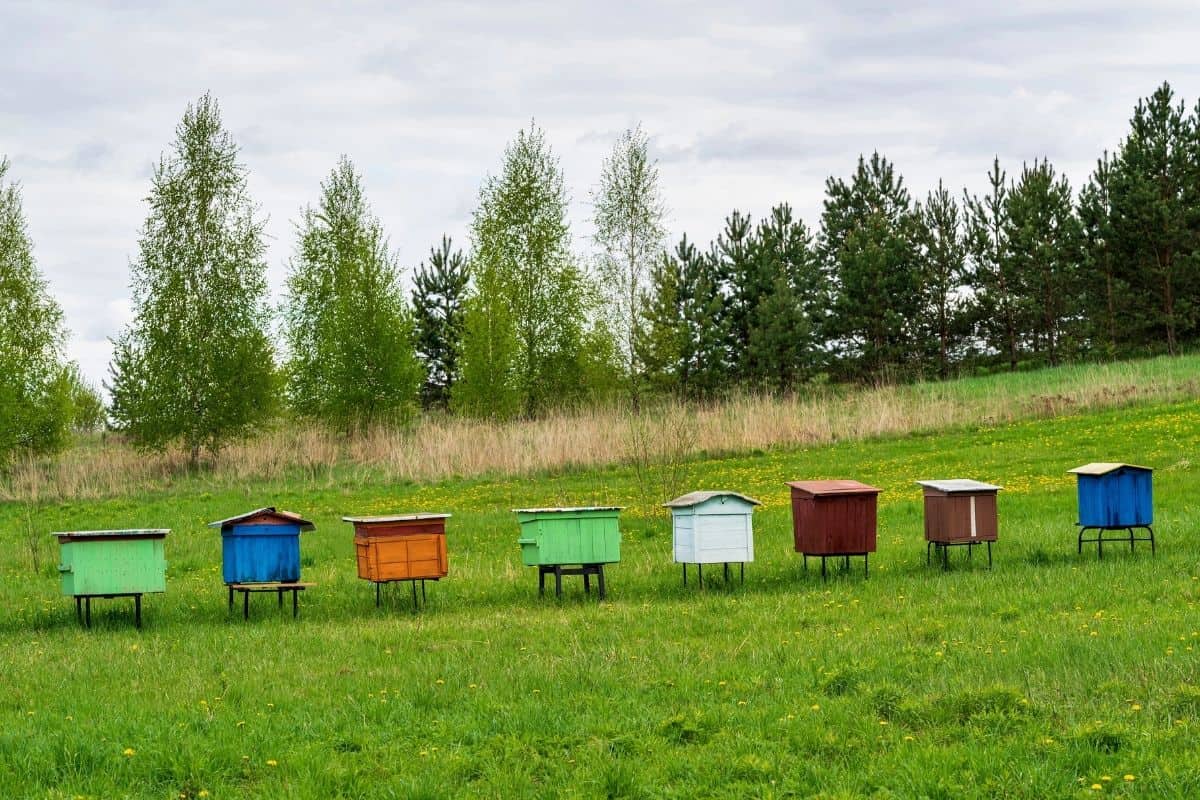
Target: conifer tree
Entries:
(945, 324)
(662, 337)
(996, 293)
(195, 365)
(349, 334)
(35, 389)
(1044, 251)
(438, 294)
(868, 241)
(1102, 286)
(1155, 218)
(788, 297)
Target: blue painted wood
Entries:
(1119, 499)
(260, 553)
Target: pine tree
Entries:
(709, 367)
(1102, 287)
(530, 300)
(438, 295)
(195, 365)
(662, 337)
(868, 241)
(1044, 251)
(734, 275)
(945, 322)
(628, 217)
(996, 295)
(349, 334)
(35, 400)
(1154, 224)
(786, 290)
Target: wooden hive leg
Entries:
(137, 611)
(423, 598)
(413, 583)
(541, 581)
(230, 599)
(866, 565)
(600, 581)
(245, 604)
(945, 556)
(295, 602)
(281, 597)
(558, 580)
(87, 611)
(726, 572)
(587, 581)
(989, 544)
(79, 609)
(700, 573)
(743, 572)
(377, 584)
(685, 573)
(927, 546)
(805, 561)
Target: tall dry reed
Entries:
(659, 439)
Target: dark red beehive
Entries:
(833, 518)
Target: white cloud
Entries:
(746, 108)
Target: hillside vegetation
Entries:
(1052, 675)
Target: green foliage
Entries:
(195, 366)
(996, 290)
(88, 413)
(628, 215)
(439, 292)
(35, 403)
(945, 320)
(1044, 250)
(869, 243)
(1104, 292)
(1154, 196)
(348, 332)
(662, 337)
(525, 321)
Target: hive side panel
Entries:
(683, 536)
(724, 538)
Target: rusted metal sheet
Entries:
(265, 516)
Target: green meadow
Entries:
(1051, 675)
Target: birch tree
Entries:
(629, 217)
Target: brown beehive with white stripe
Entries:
(960, 511)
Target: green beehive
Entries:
(551, 536)
(109, 563)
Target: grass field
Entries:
(1053, 675)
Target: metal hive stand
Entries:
(247, 588)
(700, 572)
(866, 557)
(558, 570)
(414, 581)
(944, 547)
(83, 606)
(1099, 538)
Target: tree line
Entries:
(886, 287)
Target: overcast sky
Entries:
(748, 105)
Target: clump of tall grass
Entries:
(656, 441)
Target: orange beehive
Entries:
(408, 547)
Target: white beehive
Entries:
(712, 528)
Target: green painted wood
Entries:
(116, 566)
(569, 536)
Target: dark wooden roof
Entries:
(268, 511)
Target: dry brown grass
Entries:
(442, 448)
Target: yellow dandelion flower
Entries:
(272, 762)
(1130, 778)
(130, 752)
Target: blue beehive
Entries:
(1113, 495)
(261, 546)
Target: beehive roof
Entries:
(960, 485)
(1104, 467)
(834, 487)
(290, 516)
(396, 518)
(148, 532)
(696, 498)
(566, 509)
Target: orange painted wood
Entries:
(401, 550)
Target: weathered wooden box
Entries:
(586, 535)
(261, 546)
(960, 511)
(712, 527)
(834, 517)
(400, 548)
(1114, 495)
(100, 563)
